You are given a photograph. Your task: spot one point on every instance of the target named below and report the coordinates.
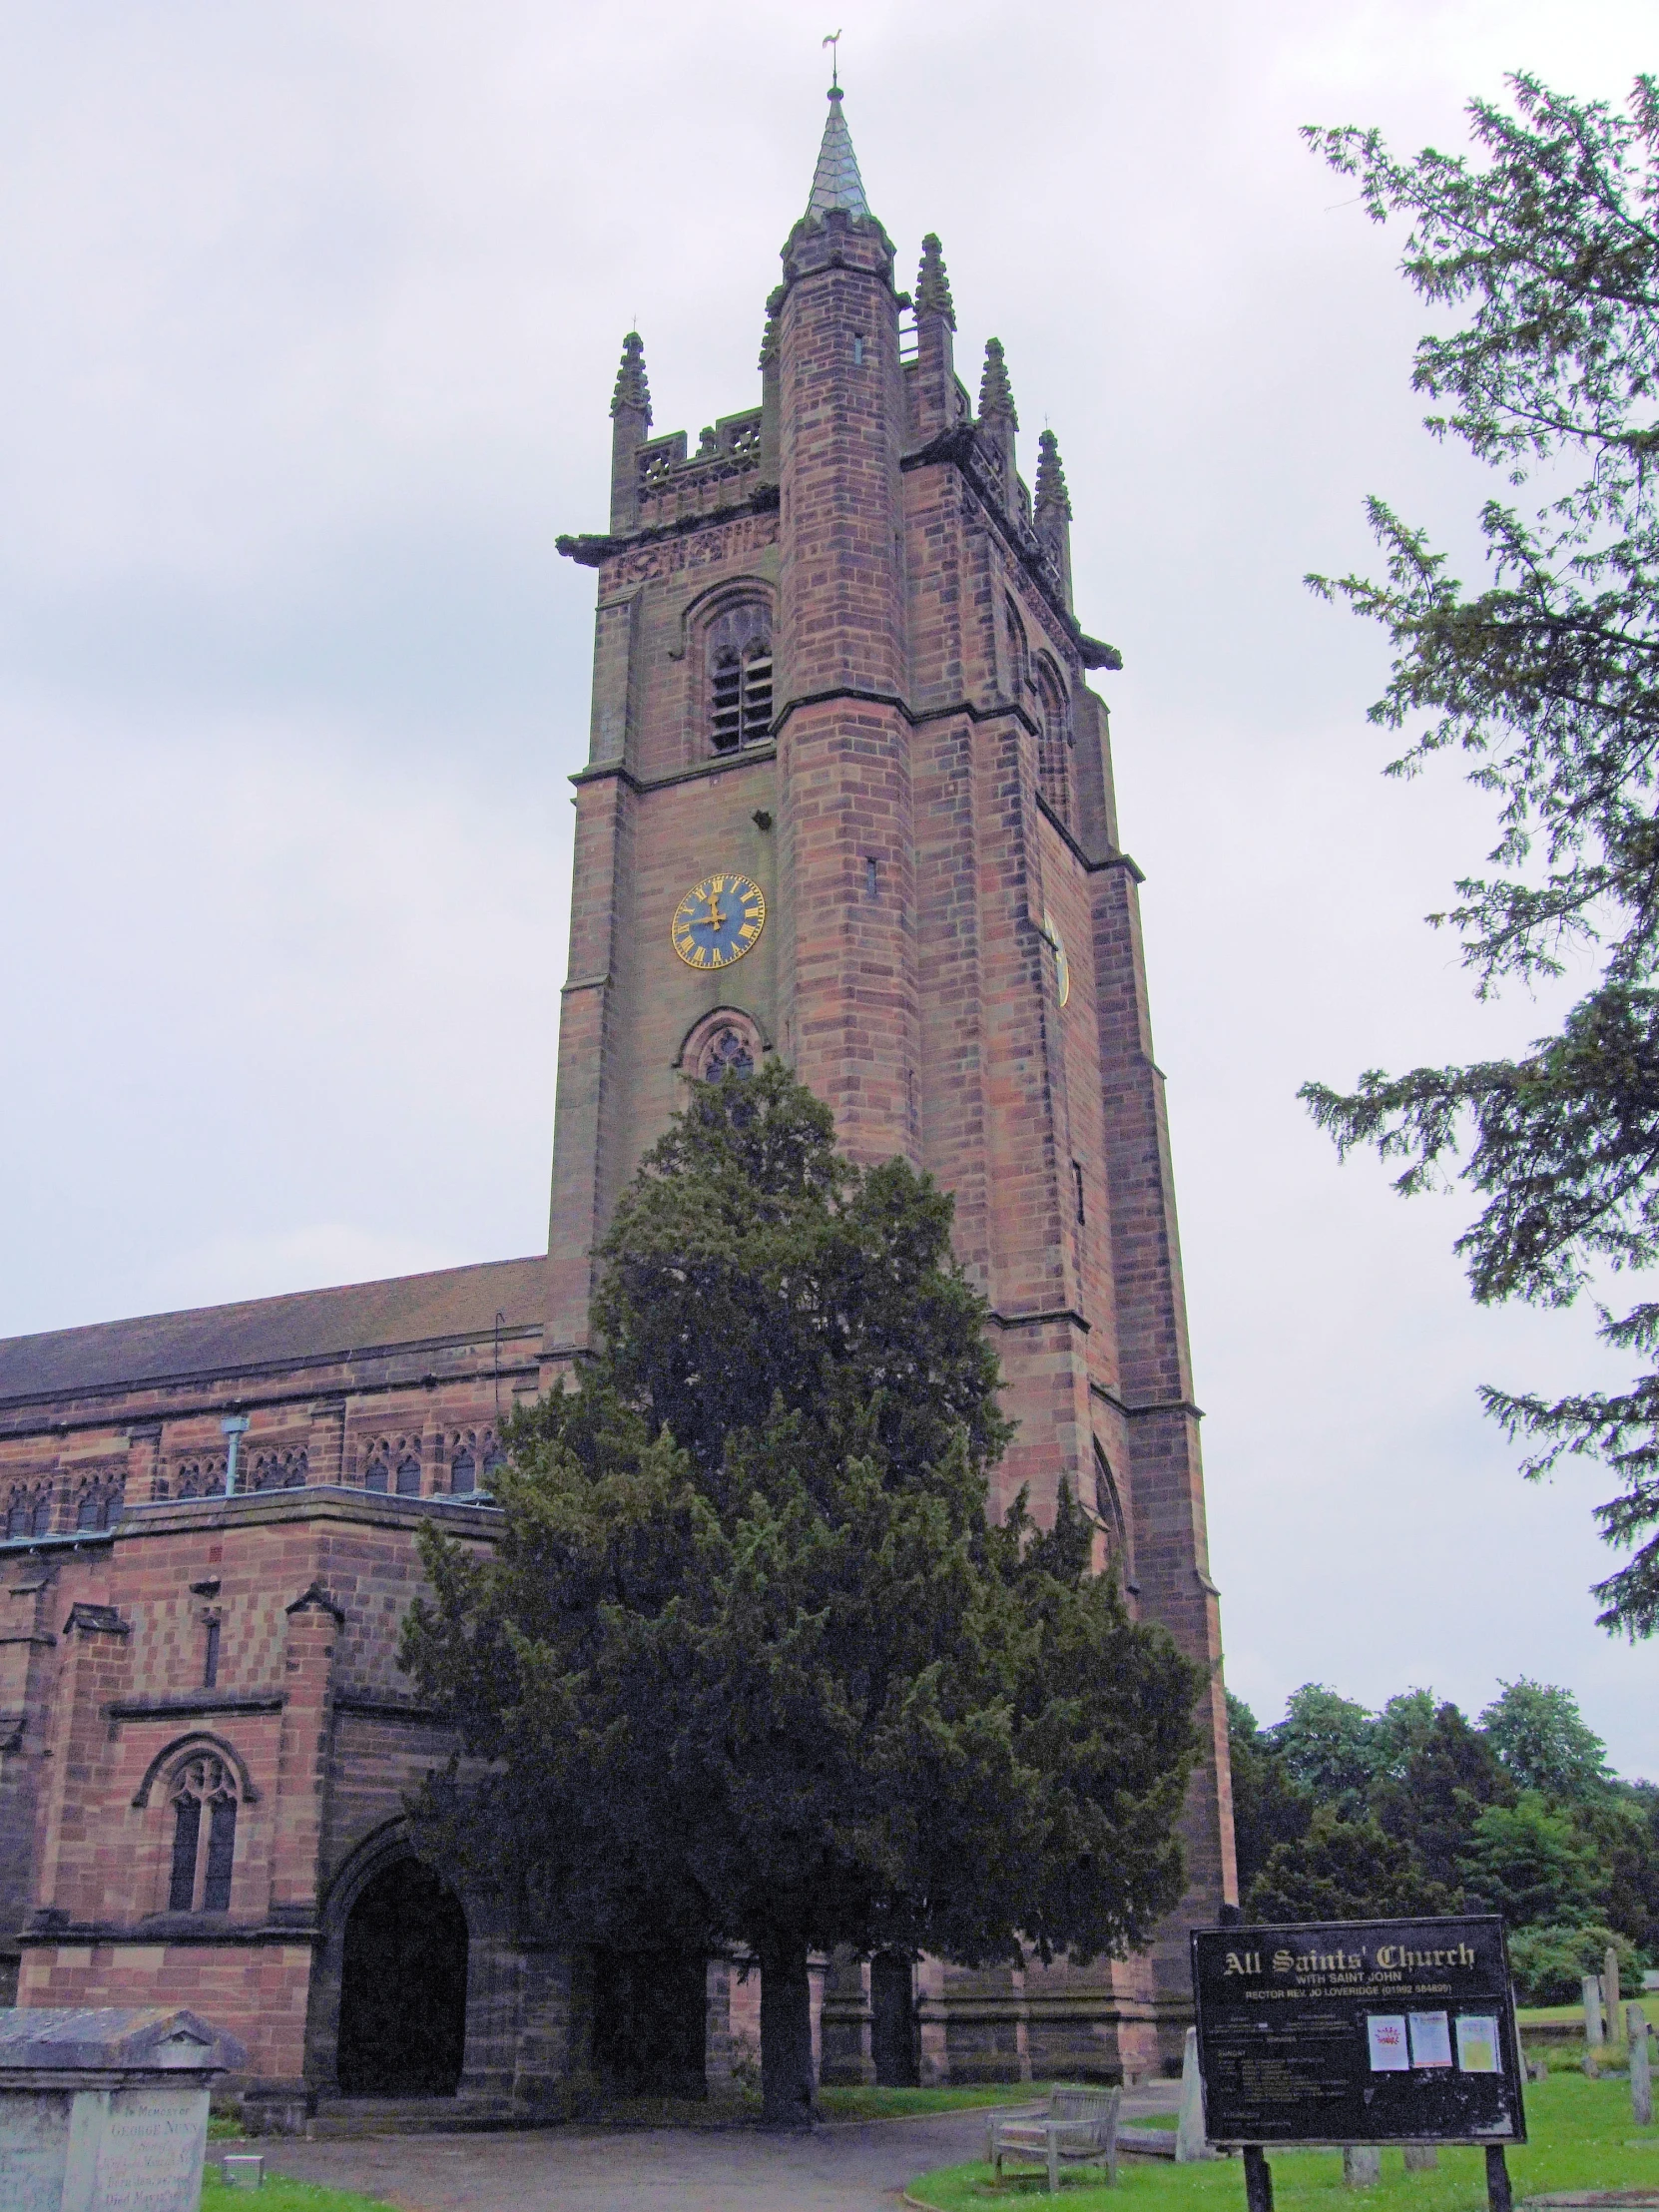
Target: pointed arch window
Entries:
(204, 1804)
(463, 1474)
(1053, 742)
(738, 655)
(409, 1476)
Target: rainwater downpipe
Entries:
(235, 1426)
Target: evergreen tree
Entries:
(1268, 1807)
(1342, 1870)
(1449, 1775)
(750, 1665)
(1546, 681)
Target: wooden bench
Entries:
(1076, 2124)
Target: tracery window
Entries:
(494, 1457)
(463, 1474)
(739, 650)
(98, 1508)
(727, 1053)
(204, 1801)
(409, 1476)
(1053, 742)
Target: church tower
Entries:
(849, 801)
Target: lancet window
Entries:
(29, 1513)
(409, 1476)
(1053, 742)
(738, 655)
(98, 1508)
(204, 1802)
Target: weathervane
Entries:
(833, 42)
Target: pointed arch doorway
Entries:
(403, 2008)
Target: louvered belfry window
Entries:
(740, 677)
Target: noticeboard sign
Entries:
(1360, 2031)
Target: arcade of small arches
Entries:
(464, 1463)
(46, 1509)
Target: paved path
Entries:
(844, 2167)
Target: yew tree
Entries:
(1540, 254)
(751, 1665)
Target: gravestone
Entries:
(1592, 2011)
(1189, 2126)
(1361, 2165)
(1641, 2069)
(106, 2110)
(1610, 1994)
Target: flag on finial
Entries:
(833, 42)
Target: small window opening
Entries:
(1077, 1185)
(858, 349)
(210, 1663)
(204, 1849)
(871, 877)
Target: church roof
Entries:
(303, 1327)
(835, 180)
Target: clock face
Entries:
(1062, 966)
(718, 922)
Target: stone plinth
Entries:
(106, 2110)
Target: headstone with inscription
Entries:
(105, 2109)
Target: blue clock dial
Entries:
(718, 922)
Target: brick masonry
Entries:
(952, 957)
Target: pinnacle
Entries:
(932, 285)
(769, 336)
(631, 389)
(997, 395)
(1051, 477)
(835, 181)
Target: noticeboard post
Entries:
(1359, 2033)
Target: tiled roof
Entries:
(266, 1331)
(835, 180)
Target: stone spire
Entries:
(1051, 512)
(997, 395)
(835, 181)
(1052, 497)
(932, 285)
(632, 389)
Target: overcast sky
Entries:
(308, 317)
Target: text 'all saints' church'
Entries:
(847, 800)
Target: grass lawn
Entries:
(1582, 2138)
(279, 2195)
